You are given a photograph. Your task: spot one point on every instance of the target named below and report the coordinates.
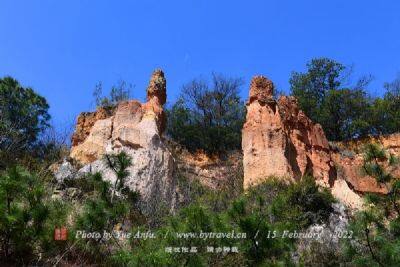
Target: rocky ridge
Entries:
(278, 139)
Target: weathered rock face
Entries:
(136, 129)
(326, 241)
(342, 191)
(350, 169)
(349, 158)
(390, 142)
(85, 123)
(213, 172)
(278, 139)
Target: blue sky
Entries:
(62, 48)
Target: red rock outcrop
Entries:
(278, 139)
(85, 122)
(390, 142)
(349, 158)
(156, 98)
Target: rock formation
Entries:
(349, 157)
(278, 139)
(135, 128)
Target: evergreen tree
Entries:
(343, 112)
(377, 228)
(107, 206)
(23, 117)
(26, 216)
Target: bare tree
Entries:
(393, 88)
(118, 92)
(209, 115)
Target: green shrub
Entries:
(376, 228)
(271, 206)
(27, 217)
(106, 206)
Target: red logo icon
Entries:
(61, 233)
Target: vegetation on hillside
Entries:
(377, 228)
(207, 117)
(29, 217)
(271, 206)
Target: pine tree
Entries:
(377, 228)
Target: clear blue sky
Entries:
(62, 48)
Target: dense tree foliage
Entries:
(386, 110)
(208, 117)
(345, 112)
(23, 117)
(27, 217)
(310, 88)
(342, 111)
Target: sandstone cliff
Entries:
(135, 128)
(278, 139)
